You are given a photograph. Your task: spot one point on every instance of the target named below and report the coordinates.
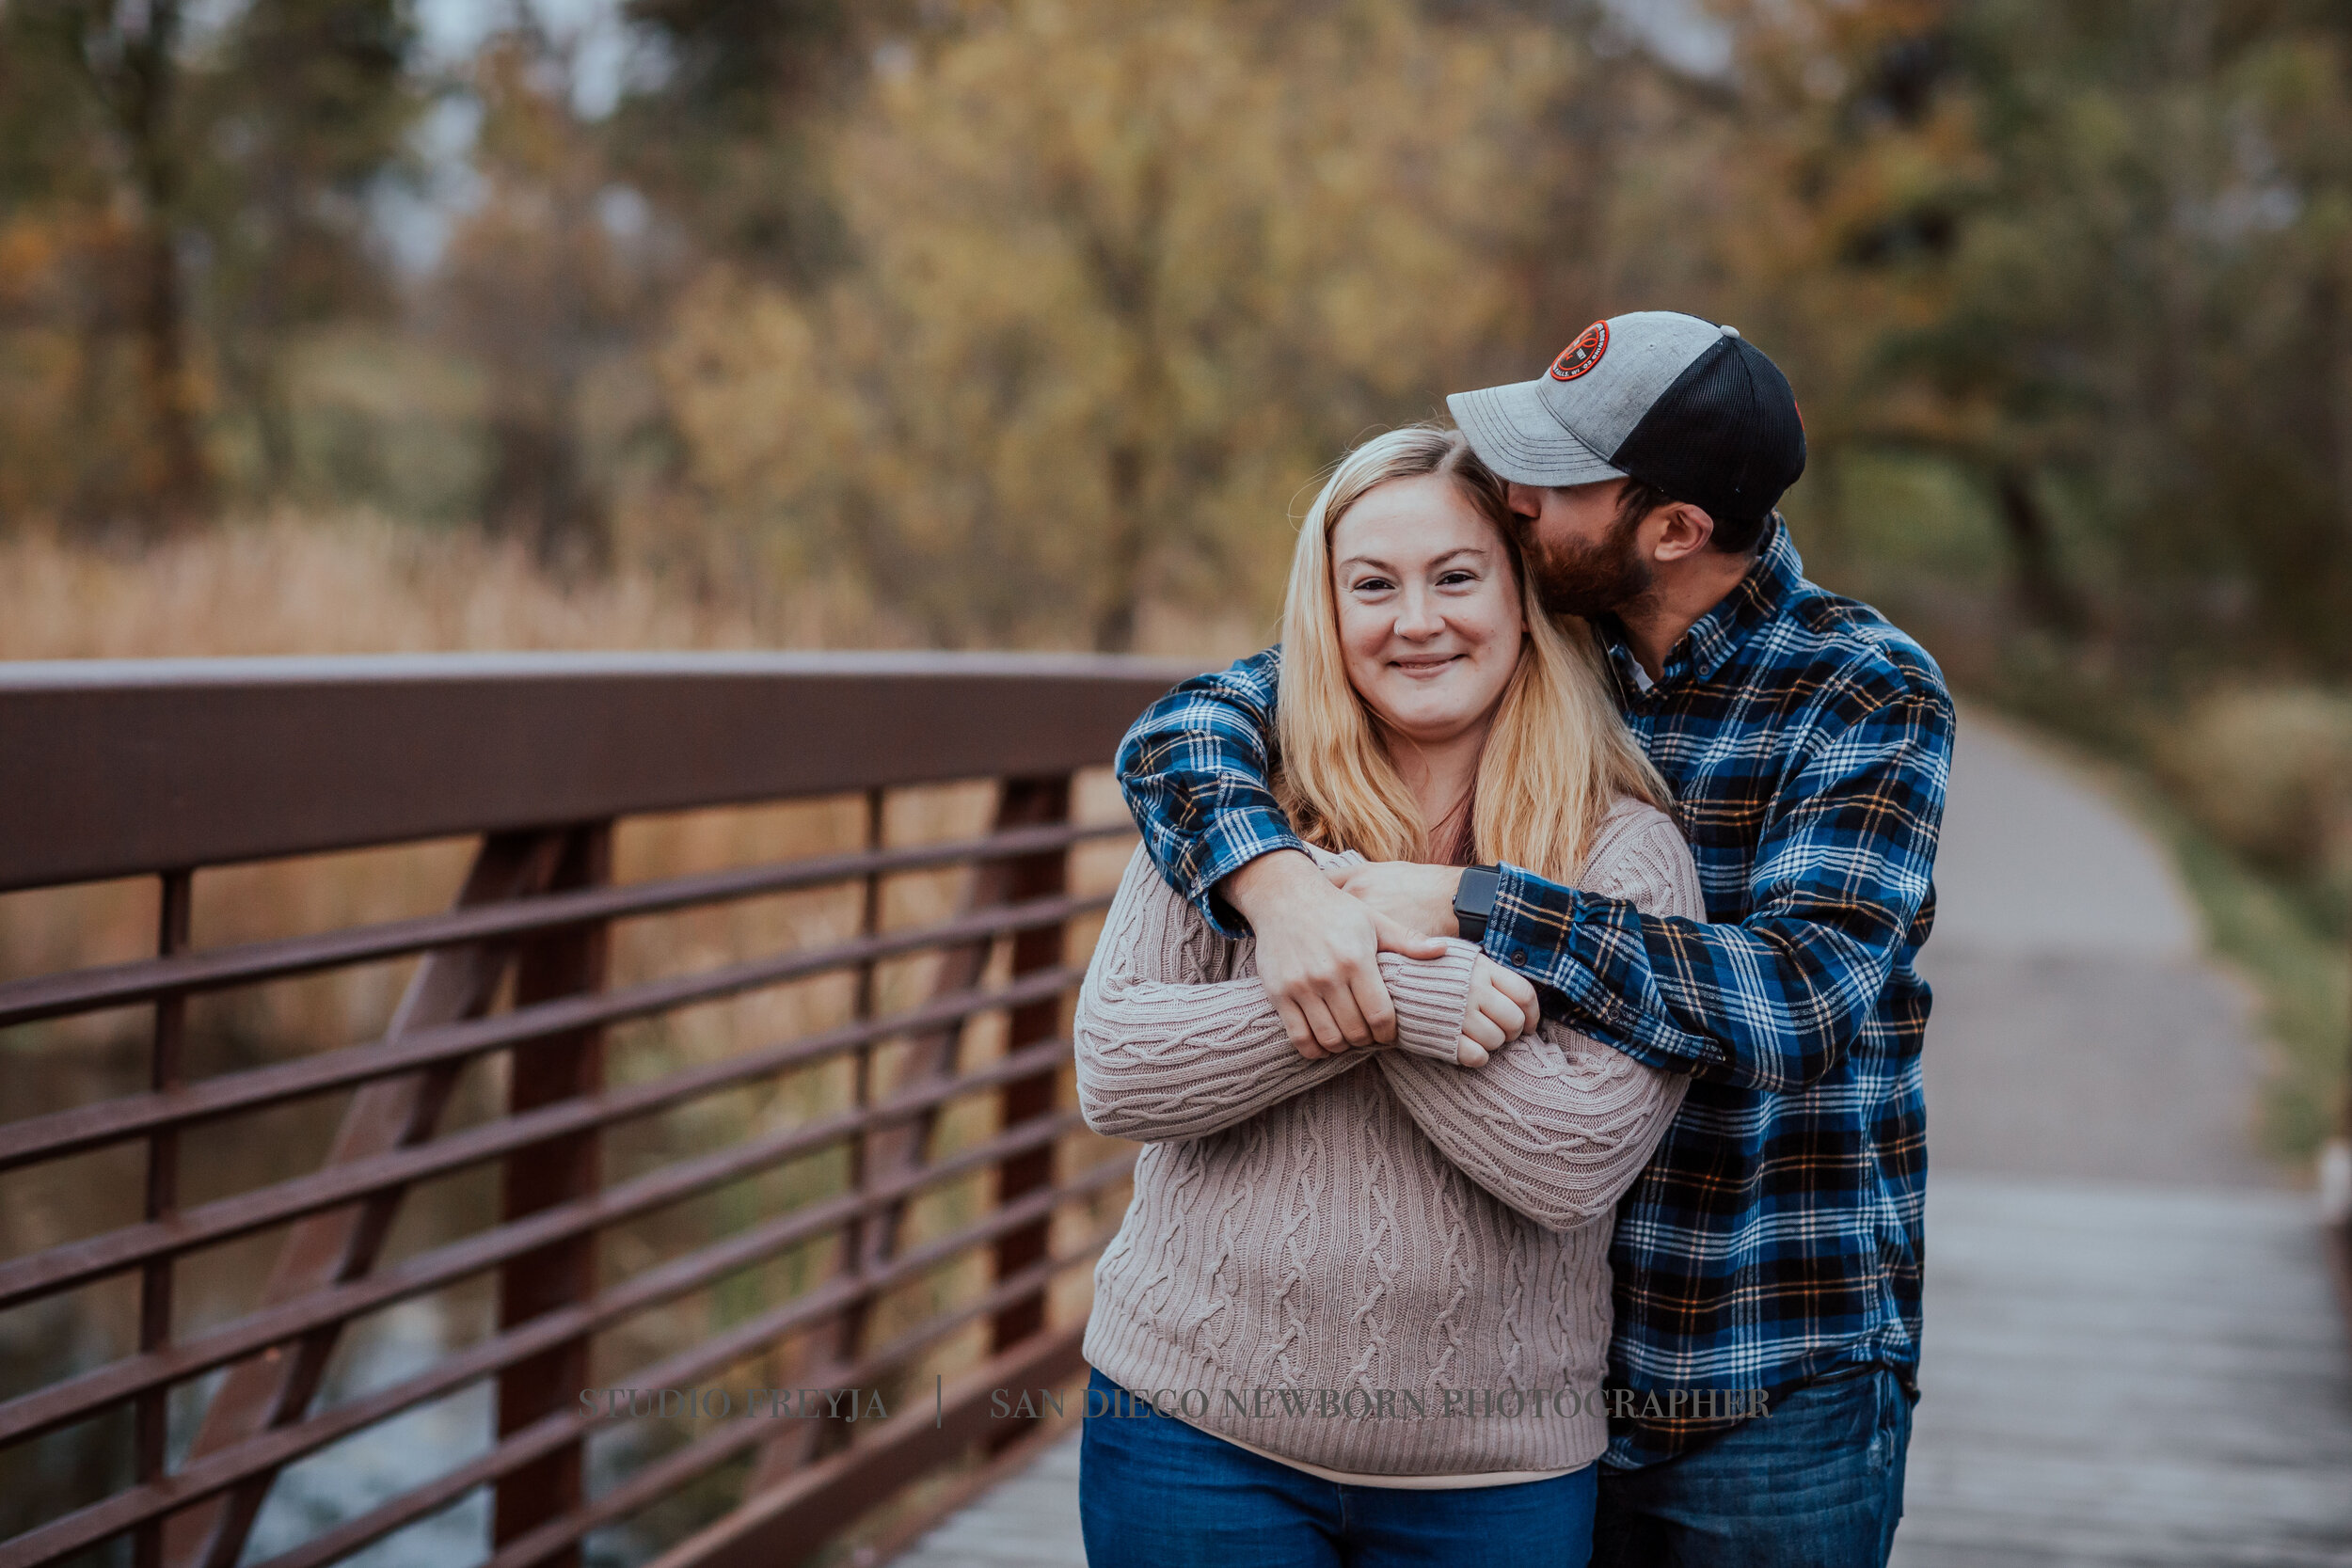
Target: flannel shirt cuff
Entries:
(1558, 937)
(1233, 839)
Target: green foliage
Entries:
(727, 137)
(303, 107)
(998, 305)
(2300, 968)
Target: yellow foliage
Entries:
(1128, 278)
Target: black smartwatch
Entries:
(1474, 900)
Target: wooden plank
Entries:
(1029, 1519)
(2122, 1374)
(2114, 1376)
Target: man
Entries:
(1774, 1243)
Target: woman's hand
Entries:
(1502, 1009)
(1318, 952)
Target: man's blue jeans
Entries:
(1815, 1484)
(1155, 1492)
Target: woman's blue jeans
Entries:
(1154, 1491)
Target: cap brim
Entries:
(1516, 436)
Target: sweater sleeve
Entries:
(1176, 1038)
(1558, 1126)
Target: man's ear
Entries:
(1684, 532)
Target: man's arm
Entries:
(1774, 1001)
(1164, 1052)
(1194, 768)
(1558, 1127)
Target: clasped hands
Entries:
(1320, 935)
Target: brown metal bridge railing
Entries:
(160, 769)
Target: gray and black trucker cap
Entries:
(1682, 404)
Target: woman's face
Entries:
(1428, 608)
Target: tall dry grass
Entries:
(356, 583)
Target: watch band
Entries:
(1474, 900)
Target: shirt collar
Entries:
(1715, 636)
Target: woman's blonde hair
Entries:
(1557, 757)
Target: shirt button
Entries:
(1519, 955)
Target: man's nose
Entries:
(1527, 501)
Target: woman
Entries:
(1358, 1302)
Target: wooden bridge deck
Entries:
(2133, 1353)
(2144, 1375)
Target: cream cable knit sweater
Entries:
(1382, 1220)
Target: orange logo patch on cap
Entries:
(1581, 355)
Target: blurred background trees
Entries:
(176, 205)
(1125, 277)
(1031, 322)
(1024, 319)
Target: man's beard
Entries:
(1602, 580)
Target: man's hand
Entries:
(1502, 1009)
(1417, 898)
(1318, 952)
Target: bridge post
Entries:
(566, 962)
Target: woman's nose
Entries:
(1417, 615)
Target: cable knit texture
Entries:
(1381, 1220)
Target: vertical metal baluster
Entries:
(151, 1429)
(851, 1337)
(1039, 876)
(869, 922)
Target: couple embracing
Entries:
(1514, 989)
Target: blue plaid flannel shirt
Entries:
(1776, 1236)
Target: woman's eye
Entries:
(1456, 579)
(1371, 585)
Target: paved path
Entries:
(2076, 1032)
(2132, 1354)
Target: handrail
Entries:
(120, 767)
(166, 768)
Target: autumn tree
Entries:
(725, 138)
(112, 68)
(1127, 276)
(176, 204)
(547, 280)
(2089, 254)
